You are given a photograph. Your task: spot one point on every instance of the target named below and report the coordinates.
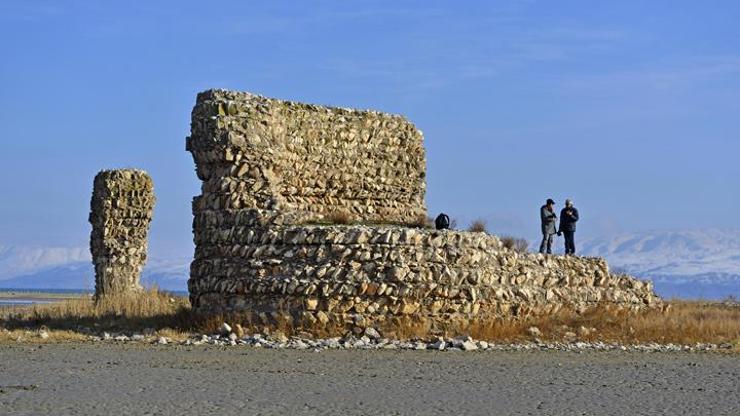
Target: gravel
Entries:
(371, 340)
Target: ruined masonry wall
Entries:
(256, 152)
(247, 261)
(120, 213)
(270, 167)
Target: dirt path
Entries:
(149, 380)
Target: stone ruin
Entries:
(275, 173)
(120, 213)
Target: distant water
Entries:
(75, 291)
(41, 291)
(27, 297)
(36, 296)
(22, 302)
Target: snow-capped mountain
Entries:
(71, 268)
(18, 260)
(671, 252)
(687, 263)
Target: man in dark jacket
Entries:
(568, 219)
(549, 219)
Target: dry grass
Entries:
(478, 226)
(423, 221)
(514, 243)
(135, 312)
(33, 335)
(681, 322)
(339, 218)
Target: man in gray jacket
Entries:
(549, 224)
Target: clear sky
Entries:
(631, 107)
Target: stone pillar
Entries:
(120, 214)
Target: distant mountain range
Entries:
(18, 260)
(71, 268)
(687, 264)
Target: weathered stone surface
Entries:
(120, 213)
(270, 166)
(312, 161)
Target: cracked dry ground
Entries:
(151, 380)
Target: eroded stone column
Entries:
(120, 213)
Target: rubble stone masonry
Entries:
(255, 152)
(271, 169)
(120, 213)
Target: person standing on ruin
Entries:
(549, 220)
(568, 219)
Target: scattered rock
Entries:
(438, 345)
(225, 329)
(280, 337)
(469, 346)
(534, 331)
(372, 333)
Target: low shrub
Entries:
(423, 221)
(478, 226)
(514, 243)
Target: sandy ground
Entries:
(162, 380)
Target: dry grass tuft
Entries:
(339, 218)
(519, 245)
(453, 223)
(423, 221)
(32, 335)
(478, 226)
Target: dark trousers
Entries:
(570, 242)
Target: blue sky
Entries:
(632, 108)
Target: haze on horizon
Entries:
(630, 108)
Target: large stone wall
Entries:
(256, 152)
(247, 262)
(120, 213)
(255, 252)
